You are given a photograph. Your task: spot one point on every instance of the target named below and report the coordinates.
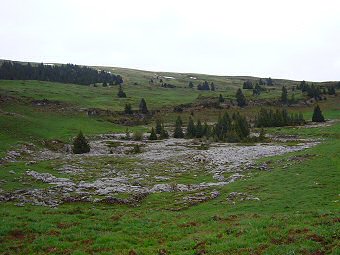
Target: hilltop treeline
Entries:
(68, 73)
(314, 91)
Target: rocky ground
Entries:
(110, 173)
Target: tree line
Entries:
(315, 91)
(68, 73)
(278, 118)
(234, 128)
(142, 107)
(203, 86)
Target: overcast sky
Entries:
(297, 39)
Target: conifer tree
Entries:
(163, 134)
(199, 129)
(128, 109)
(262, 136)
(206, 130)
(80, 144)
(301, 120)
(205, 86)
(257, 90)
(142, 106)
(218, 129)
(284, 95)
(158, 126)
(232, 137)
(226, 123)
(121, 93)
(240, 98)
(178, 132)
(191, 84)
(212, 86)
(241, 126)
(317, 115)
(269, 81)
(191, 132)
(153, 135)
(221, 99)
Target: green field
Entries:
(298, 211)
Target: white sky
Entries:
(296, 39)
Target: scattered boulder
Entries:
(201, 197)
(239, 196)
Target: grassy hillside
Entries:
(298, 214)
(298, 208)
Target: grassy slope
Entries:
(295, 215)
(99, 97)
(298, 214)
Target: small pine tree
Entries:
(128, 109)
(191, 84)
(121, 93)
(153, 135)
(178, 132)
(226, 123)
(269, 82)
(317, 115)
(142, 106)
(262, 136)
(163, 134)
(206, 130)
(80, 144)
(158, 126)
(221, 99)
(127, 134)
(240, 98)
(241, 126)
(191, 132)
(212, 86)
(199, 129)
(284, 95)
(136, 149)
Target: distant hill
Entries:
(222, 83)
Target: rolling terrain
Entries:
(176, 196)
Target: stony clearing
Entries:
(110, 173)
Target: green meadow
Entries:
(298, 211)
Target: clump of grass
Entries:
(113, 144)
(135, 150)
(137, 136)
(203, 146)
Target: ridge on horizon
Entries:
(97, 66)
